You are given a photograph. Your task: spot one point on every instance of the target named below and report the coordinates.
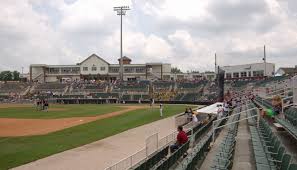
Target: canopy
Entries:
(212, 109)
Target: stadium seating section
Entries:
(269, 152)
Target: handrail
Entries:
(213, 123)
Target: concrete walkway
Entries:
(243, 150)
(103, 153)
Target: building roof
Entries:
(125, 58)
(94, 55)
(245, 64)
(289, 70)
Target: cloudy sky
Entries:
(185, 33)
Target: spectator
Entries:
(220, 111)
(181, 139)
(161, 110)
(194, 118)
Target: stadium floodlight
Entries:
(121, 10)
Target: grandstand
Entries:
(223, 143)
(215, 143)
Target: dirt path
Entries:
(10, 127)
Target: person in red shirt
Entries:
(181, 139)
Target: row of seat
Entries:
(203, 129)
(198, 152)
(152, 160)
(263, 102)
(290, 122)
(268, 151)
(172, 159)
(291, 115)
(160, 155)
(224, 157)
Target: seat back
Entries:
(293, 167)
(280, 153)
(285, 162)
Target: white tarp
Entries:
(210, 109)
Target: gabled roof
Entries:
(94, 55)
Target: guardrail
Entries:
(142, 154)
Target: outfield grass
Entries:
(61, 111)
(20, 150)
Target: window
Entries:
(250, 74)
(243, 74)
(140, 70)
(65, 70)
(259, 73)
(94, 68)
(85, 68)
(228, 75)
(75, 70)
(54, 70)
(235, 75)
(102, 68)
(113, 69)
(129, 70)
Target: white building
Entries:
(94, 67)
(249, 71)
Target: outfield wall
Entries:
(114, 100)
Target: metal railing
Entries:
(214, 122)
(143, 154)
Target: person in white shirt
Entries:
(194, 118)
(220, 111)
(161, 110)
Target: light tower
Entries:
(121, 10)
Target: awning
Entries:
(212, 109)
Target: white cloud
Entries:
(184, 33)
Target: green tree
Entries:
(175, 70)
(6, 76)
(16, 75)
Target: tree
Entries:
(16, 75)
(175, 70)
(6, 76)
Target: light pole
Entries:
(121, 10)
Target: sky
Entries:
(185, 33)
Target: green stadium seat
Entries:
(292, 167)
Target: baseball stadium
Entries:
(133, 112)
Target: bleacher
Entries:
(6, 88)
(202, 142)
(50, 87)
(152, 160)
(158, 85)
(104, 95)
(132, 86)
(270, 80)
(224, 157)
(190, 85)
(69, 96)
(290, 121)
(269, 152)
(191, 96)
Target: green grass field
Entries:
(15, 151)
(61, 111)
